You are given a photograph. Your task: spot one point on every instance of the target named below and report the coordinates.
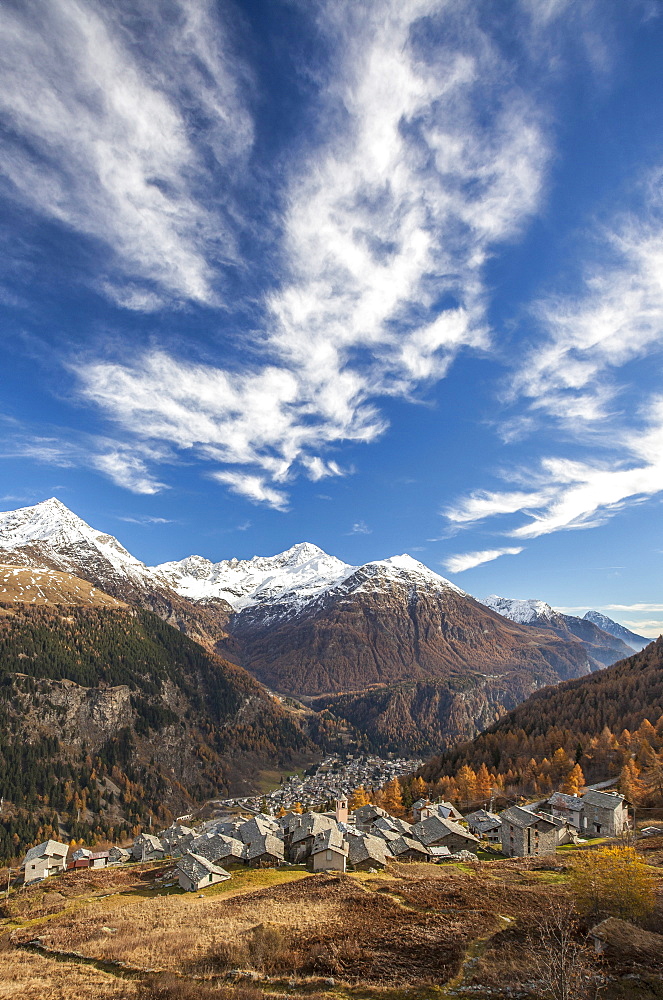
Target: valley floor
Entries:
(411, 932)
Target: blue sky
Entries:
(383, 276)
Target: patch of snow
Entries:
(521, 611)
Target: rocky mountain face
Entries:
(114, 690)
(602, 647)
(387, 622)
(636, 642)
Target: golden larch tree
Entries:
(359, 798)
(614, 881)
(574, 781)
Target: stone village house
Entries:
(438, 832)
(49, 858)
(604, 814)
(195, 872)
(526, 834)
(329, 852)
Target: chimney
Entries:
(341, 810)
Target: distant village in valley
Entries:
(335, 777)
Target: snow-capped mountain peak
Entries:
(61, 537)
(522, 611)
(301, 572)
(405, 567)
(631, 639)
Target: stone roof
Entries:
(436, 827)
(368, 812)
(560, 800)
(384, 823)
(218, 847)
(175, 832)
(196, 867)
(257, 826)
(606, 800)
(480, 815)
(81, 852)
(522, 818)
(317, 824)
(266, 844)
(330, 840)
(368, 848)
(404, 844)
(49, 849)
(492, 822)
(150, 840)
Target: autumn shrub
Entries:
(333, 957)
(262, 948)
(612, 881)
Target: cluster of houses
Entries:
(332, 841)
(334, 778)
(525, 831)
(367, 839)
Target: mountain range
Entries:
(390, 647)
(598, 641)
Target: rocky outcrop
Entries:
(71, 712)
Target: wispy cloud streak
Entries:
(101, 104)
(434, 156)
(469, 560)
(571, 379)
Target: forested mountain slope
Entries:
(602, 722)
(110, 715)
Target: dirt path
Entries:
(474, 952)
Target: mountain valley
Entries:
(388, 655)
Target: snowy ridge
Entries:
(631, 639)
(301, 572)
(292, 578)
(52, 525)
(521, 611)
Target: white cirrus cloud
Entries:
(484, 503)
(572, 377)
(146, 519)
(360, 528)
(433, 155)
(650, 628)
(128, 467)
(255, 488)
(468, 560)
(117, 119)
(614, 319)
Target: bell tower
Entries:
(341, 810)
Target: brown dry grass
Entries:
(28, 976)
(375, 930)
